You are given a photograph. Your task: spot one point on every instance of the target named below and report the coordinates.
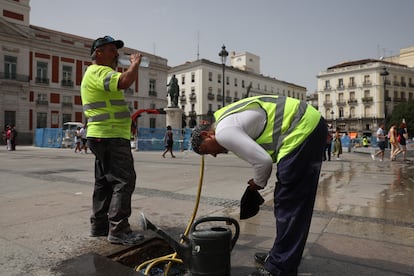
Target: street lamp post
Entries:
(223, 54)
(384, 75)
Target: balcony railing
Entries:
(327, 103)
(42, 80)
(193, 97)
(341, 103)
(367, 83)
(352, 102)
(152, 93)
(367, 100)
(182, 98)
(210, 96)
(67, 83)
(192, 113)
(42, 102)
(219, 97)
(352, 85)
(228, 99)
(67, 104)
(12, 76)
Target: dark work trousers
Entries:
(114, 184)
(294, 198)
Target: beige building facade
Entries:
(357, 96)
(201, 85)
(41, 71)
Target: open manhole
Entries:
(123, 262)
(143, 258)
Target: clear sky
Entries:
(295, 39)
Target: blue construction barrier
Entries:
(48, 137)
(152, 139)
(149, 139)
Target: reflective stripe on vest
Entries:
(277, 136)
(106, 116)
(107, 81)
(103, 117)
(102, 104)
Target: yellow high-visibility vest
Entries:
(289, 122)
(104, 104)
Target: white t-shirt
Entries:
(238, 132)
(380, 134)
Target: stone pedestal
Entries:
(173, 117)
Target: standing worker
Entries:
(263, 130)
(108, 135)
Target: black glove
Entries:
(250, 203)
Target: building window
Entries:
(152, 123)
(227, 80)
(367, 80)
(42, 99)
(235, 81)
(152, 91)
(341, 112)
(210, 76)
(10, 67)
(41, 72)
(66, 118)
(327, 85)
(183, 79)
(352, 112)
(41, 120)
(352, 95)
(66, 101)
(242, 83)
(351, 82)
(192, 77)
(67, 76)
(218, 78)
(340, 83)
(10, 117)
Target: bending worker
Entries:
(264, 130)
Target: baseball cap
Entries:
(106, 40)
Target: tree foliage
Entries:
(400, 112)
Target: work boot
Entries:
(130, 238)
(260, 272)
(99, 233)
(261, 257)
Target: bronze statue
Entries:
(173, 91)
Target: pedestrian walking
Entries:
(13, 137)
(395, 146)
(168, 142)
(83, 133)
(381, 143)
(328, 147)
(8, 137)
(274, 129)
(78, 140)
(402, 139)
(337, 145)
(108, 135)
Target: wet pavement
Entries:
(363, 221)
